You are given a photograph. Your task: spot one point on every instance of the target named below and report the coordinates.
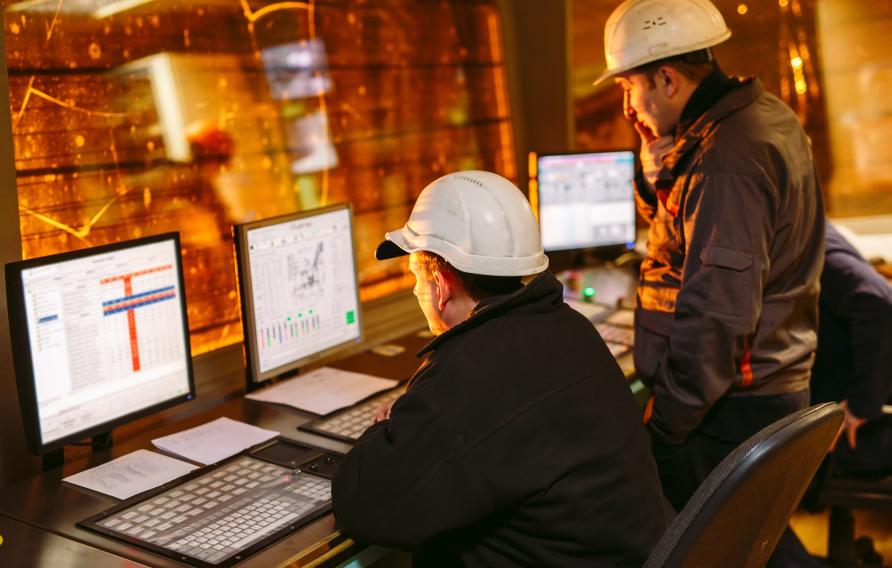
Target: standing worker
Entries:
(727, 303)
(518, 441)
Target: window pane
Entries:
(136, 117)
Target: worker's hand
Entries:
(647, 135)
(652, 153)
(383, 412)
(850, 425)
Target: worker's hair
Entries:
(694, 66)
(478, 286)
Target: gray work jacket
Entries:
(728, 291)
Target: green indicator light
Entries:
(351, 316)
(311, 312)
(300, 315)
(289, 318)
(588, 292)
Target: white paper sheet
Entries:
(131, 474)
(213, 441)
(324, 390)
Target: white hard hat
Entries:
(643, 31)
(478, 221)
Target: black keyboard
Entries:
(619, 338)
(349, 424)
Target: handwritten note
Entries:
(131, 474)
(214, 441)
(324, 390)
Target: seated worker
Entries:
(518, 442)
(853, 364)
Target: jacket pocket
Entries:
(726, 281)
(723, 257)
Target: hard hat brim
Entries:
(608, 74)
(404, 241)
(389, 249)
(632, 66)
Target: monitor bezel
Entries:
(21, 344)
(254, 378)
(611, 248)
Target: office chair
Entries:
(737, 516)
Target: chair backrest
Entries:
(736, 517)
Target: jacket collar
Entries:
(543, 289)
(712, 88)
(738, 94)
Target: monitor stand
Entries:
(56, 458)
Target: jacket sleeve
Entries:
(853, 291)
(645, 196)
(408, 480)
(728, 226)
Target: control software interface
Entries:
(107, 336)
(303, 288)
(586, 200)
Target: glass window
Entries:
(135, 117)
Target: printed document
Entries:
(214, 441)
(131, 474)
(324, 390)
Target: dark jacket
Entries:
(854, 359)
(728, 291)
(518, 443)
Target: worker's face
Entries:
(645, 103)
(428, 295)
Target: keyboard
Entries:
(218, 518)
(619, 338)
(591, 310)
(614, 324)
(349, 424)
(622, 316)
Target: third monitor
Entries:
(586, 200)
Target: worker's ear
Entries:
(668, 80)
(445, 284)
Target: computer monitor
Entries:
(298, 289)
(100, 337)
(586, 200)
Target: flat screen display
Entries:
(299, 289)
(106, 336)
(586, 200)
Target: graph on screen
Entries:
(303, 287)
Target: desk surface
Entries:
(44, 510)
(48, 509)
(24, 545)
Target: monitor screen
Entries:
(299, 293)
(101, 338)
(586, 200)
